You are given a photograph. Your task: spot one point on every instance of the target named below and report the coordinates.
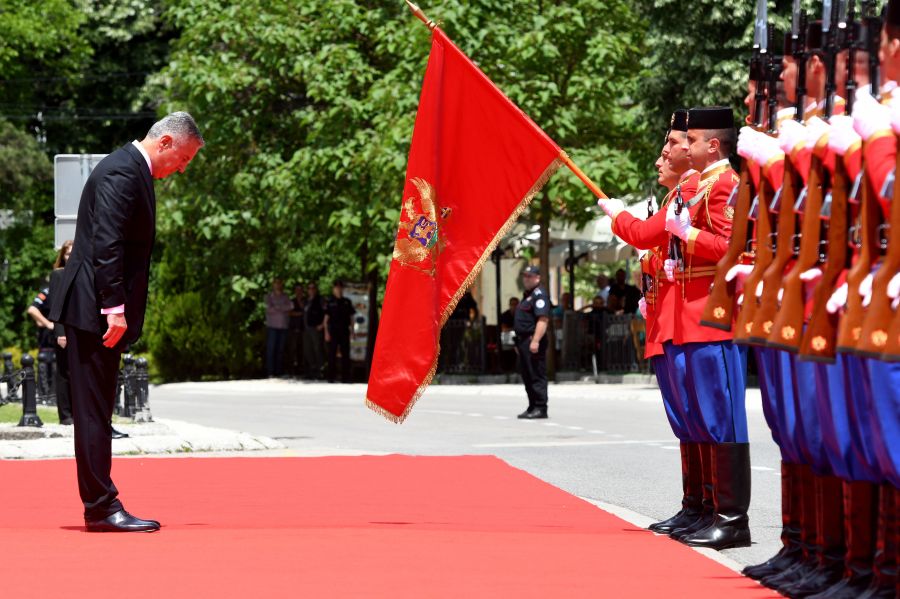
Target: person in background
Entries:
(509, 316)
(507, 337)
(51, 336)
(628, 295)
(603, 286)
(278, 308)
(313, 339)
(339, 313)
(532, 320)
(294, 353)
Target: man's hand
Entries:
(534, 345)
(642, 306)
(678, 224)
(611, 206)
(117, 328)
(669, 267)
(61, 341)
(838, 299)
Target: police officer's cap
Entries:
(713, 117)
(679, 120)
(533, 271)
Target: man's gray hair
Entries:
(177, 124)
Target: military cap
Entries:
(679, 120)
(814, 37)
(788, 43)
(892, 13)
(712, 117)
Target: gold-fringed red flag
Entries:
(475, 162)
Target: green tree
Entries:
(308, 111)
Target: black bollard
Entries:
(29, 396)
(12, 391)
(142, 376)
(128, 383)
(45, 392)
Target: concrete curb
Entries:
(162, 436)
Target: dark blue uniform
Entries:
(532, 366)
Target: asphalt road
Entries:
(606, 443)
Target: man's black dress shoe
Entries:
(533, 414)
(119, 434)
(67, 422)
(121, 521)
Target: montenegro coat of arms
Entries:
(420, 239)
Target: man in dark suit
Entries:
(103, 295)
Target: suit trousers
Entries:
(93, 370)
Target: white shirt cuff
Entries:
(120, 309)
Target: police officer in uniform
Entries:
(530, 324)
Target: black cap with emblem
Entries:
(713, 117)
(532, 270)
(679, 120)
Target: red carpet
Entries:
(393, 526)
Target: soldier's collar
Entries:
(714, 170)
(687, 175)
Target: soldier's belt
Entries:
(689, 274)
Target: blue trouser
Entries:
(884, 419)
(715, 378)
(765, 367)
(809, 430)
(784, 385)
(669, 369)
(860, 407)
(834, 416)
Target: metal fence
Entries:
(585, 342)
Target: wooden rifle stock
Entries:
(850, 326)
(719, 309)
(873, 341)
(764, 319)
(818, 342)
(892, 349)
(762, 259)
(787, 331)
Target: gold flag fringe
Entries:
(464, 286)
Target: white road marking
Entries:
(575, 428)
(669, 447)
(562, 443)
(598, 432)
(762, 468)
(476, 414)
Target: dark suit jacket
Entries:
(114, 235)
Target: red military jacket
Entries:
(880, 153)
(651, 234)
(708, 241)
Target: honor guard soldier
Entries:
(715, 369)
(677, 176)
(530, 325)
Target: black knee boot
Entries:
(731, 481)
(692, 486)
(708, 503)
(790, 551)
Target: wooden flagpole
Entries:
(420, 14)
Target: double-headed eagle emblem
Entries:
(420, 240)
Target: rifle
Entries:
(787, 329)
(675, 251)
(719, 310)
(869, 218)
(818, 343)
(771, 255)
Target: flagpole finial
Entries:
(421, 15)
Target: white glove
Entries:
(765, 149)
(895, 114)
(739, 271)
(811, 276)
(740, 300)
(759, 289)
(678, 224)
(838, 299)
(865, 289)
(815, 129)
(842, 135)
(746, 138)
(642, 306)
(869, 116)
(790, 135)
(611, 206)
(669, 266)
(893, 290)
